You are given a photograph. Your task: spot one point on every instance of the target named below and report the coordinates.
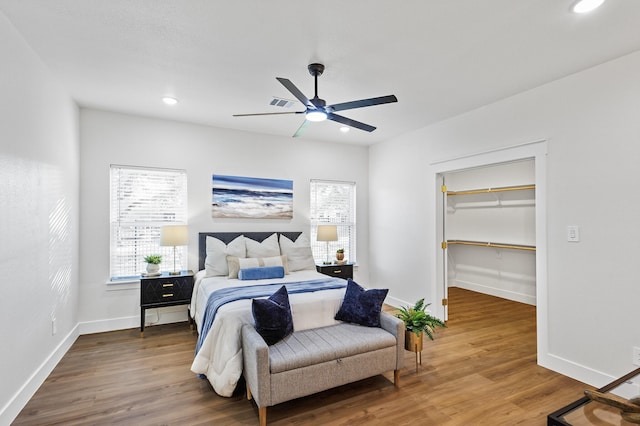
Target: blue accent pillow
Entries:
(261, 273)
(272, 316)
(361, 306)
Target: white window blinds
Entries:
(142, 201)
(333, 203)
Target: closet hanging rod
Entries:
(490, 190)
(494, 245)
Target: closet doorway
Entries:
(491, 228)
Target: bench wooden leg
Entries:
(262, 414)
(248, 392)
(396, 378)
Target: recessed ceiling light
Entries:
(169, 100)
(585, 6)
(344, 129)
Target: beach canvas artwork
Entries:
(249, 197)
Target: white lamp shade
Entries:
(327, 233)
(174, 235)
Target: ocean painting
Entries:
(247, 197)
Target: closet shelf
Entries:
(490, 190)
(490, 244)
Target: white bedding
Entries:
(220, 357)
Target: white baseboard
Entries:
(153, 316)
(492, 291)
(395, 302)
(576, 371)
(11, 410)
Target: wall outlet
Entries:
(54, 327)
(636, 356)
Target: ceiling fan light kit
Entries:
(168, 100)
(586, 6)
(318, 110)
(316, 115)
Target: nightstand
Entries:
(341, 271)
(164, 290)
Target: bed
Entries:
(314, 298)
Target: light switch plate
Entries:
(573, 233)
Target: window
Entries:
(333, 203)
(142, 201)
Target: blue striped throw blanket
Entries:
(222, 296)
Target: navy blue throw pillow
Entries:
(273, 316)
(361, 306)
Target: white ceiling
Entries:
(439, 57)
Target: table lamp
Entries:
(327, 233)
(174, 235)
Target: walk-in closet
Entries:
(489, 230)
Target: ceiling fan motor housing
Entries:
(318, 103)
(315, 69)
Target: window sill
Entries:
(124, 284)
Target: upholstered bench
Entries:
(314, 360)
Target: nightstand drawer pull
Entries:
(167, 285)
(167, 295)
(337, 271)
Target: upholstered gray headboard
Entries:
(227, 237)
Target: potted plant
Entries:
(153, 263)
(417, 322)
(340, 254)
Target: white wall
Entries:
(111, 138)
(590, 120)
(38, 222)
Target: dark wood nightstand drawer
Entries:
(166, 289)
(341, 271)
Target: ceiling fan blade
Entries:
(301, 129)
(363, 103)
(269, 113)
(349, 122)
(295, 92)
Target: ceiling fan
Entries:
(318, 110)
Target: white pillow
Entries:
(234, 266)
(299, 254)
(217, 251)
(256, 262)
(267, 248)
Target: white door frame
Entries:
(536, 150)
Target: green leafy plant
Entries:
(340, 251)
(154, 259)
(418, 321)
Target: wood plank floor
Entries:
(480, 370)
